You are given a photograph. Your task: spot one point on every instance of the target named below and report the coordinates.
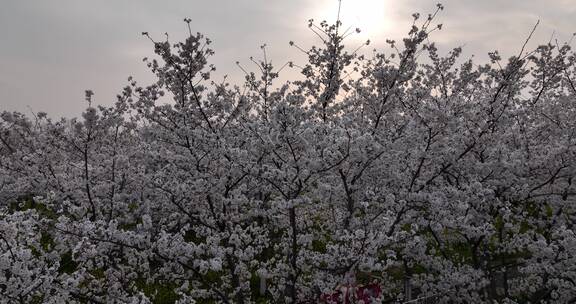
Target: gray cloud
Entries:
(52, 50)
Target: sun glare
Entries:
(371, 16)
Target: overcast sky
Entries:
(52, 50)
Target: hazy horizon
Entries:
(54, 50)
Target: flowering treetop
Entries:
(383, 178)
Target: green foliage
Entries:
(98, 273)
(319, 246)
(67, 263)
(255, 290)
(159, 292)
(46, 241)
(27, 202)
(193, 237)
(213, 277)
(37, 299)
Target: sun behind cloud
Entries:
(371, 16)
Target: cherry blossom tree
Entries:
(400, 176)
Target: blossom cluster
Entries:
(422, 176)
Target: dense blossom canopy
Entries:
(382, 178)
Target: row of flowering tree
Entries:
(381, 178)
